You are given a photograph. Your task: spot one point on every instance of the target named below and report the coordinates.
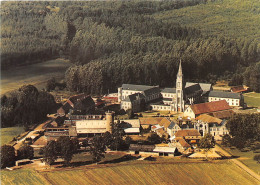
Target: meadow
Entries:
(7, 134)
(35, 74)
(138, 173)
(252, 99)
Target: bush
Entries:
(257, 158)
(7, 156)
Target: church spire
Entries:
(180, 69)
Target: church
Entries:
(137, 97)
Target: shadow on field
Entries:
(121, 159)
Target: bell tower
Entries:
(179, 105)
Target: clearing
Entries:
(252, 99)
(7, 134)
(35, 74)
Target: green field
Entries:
(7, 134)
(142, 173)
(246, 158)
(231, 18)
(35, 74)
(252, 99)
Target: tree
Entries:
(257, 158)
(97, 148)
(66, 148)
(25, 152)
(226, 140)
(107, 137)
(7, 156)
(75, 143)
(130, 113)
(51, 84)
(85, 143)
(50, 152)
(117, 136)
(207, 142)
(154, 138)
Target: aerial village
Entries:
(180, 116)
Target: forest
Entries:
(115, 42)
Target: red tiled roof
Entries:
(150, 121)
(183, 133)
(183, 143)
(210, 107)
(238, 89)
(165, 122)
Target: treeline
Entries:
(26, 106)
(154, 61)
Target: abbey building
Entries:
(139, 97)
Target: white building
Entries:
(233, 99)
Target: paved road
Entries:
(238, 163)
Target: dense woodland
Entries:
(26, 107)
(112, 43)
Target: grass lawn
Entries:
(246, 158)
(252, 99)
(7, 134)
(142, 173)
(35, 74)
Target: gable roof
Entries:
(238, 89)
(165, 122)
(150, 121)
(222, 94)
(183, 143)
(78, 97)
(81, 104)
(204, 86)
(168, 90)
(183, 133)
(193, 88)
(210, 107)
(208, 119)
(223, 114)
(134, 87)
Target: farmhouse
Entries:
(210, 107)
(81, 103)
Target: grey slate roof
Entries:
(222, 94)
(168, 90)
(167, 99)
(193, 88)
(136, 87)
(204, 86)
(133, 97)
(154, 90)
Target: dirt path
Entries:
(238, 163)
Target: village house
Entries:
(81, 103)
(209, 124)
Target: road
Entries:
(30, 134)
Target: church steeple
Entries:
(179, 104)
(180, 70)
